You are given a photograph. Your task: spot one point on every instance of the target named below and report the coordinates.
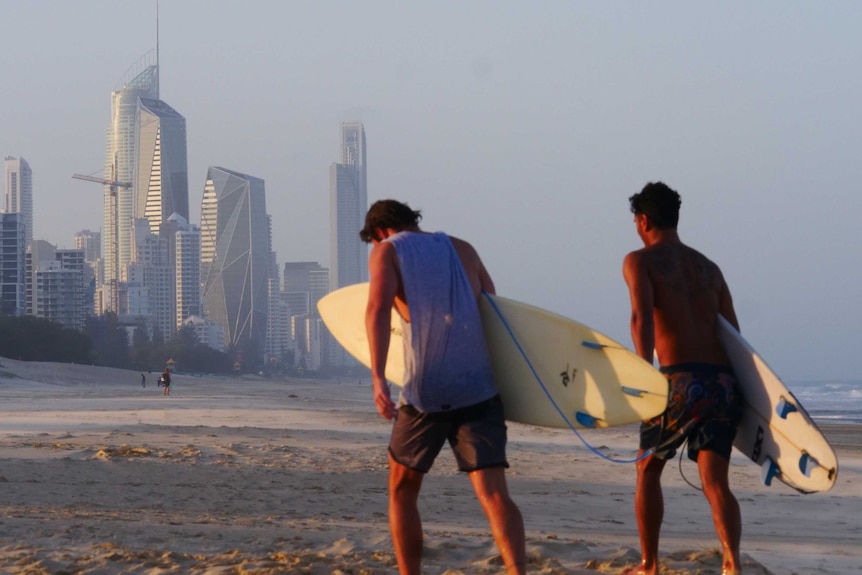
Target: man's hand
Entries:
(383, 399)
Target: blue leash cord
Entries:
(548, 394)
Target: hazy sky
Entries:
(520, 126)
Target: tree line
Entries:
(106, 342)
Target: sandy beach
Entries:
(99, 475)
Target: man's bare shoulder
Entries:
(464, 248)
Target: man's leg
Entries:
(404, 522)
(507, 525)
(725, 508)
(649, 509)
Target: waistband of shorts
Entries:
(695, 367)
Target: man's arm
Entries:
(383, 277)
(725, 305)
(479, 277)
(485, 282)
(641, 295)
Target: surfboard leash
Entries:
(548, 394)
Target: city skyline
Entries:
(522, 129)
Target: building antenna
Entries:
(158, 68)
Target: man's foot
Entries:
(639, 570)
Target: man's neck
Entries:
(668, 236)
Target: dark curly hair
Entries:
(385, 214)
(659, 203)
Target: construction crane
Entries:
(113, 184)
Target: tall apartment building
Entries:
(187, 268)
(19, 193)
(122, 155)
(57, 290)
(12, 264)
(161, 184)
(91, 243)
(348, 202)
(305, 282)
(236, 258)
(150, 281)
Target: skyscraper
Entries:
(12, 266)
(19, 193)
(348, 202)
(90, 242)
(235, 258)
(58, 285)
(187, 254)
(161, 183)
(140, 81)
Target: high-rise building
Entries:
(19, 193)
(304, 284)
(12, 265)
(90, 242)
(161, 183)
(38, 251)
(236, 258)
(150, 281)
(348, 202)
(187, 242)
(57, 291)
(123, 146)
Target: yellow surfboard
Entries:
(550, 371)
(776, 432)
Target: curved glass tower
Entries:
(140, 81)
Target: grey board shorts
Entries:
(477, 435)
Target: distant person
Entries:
(166, 381)
(676, 297)
(435, 280)
(143, 380)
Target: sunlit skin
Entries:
(676, 294)
(504, 517)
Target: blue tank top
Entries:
(446, 359)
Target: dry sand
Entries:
(238, 476)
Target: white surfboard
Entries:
(776, 432)
(550, 371)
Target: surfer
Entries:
(434, 281)
(676, 296)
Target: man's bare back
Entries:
(688, 290)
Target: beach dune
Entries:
(99, 475)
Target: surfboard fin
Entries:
(807, 464)
(632, 391)
(768, 470)
(784, 407)
(593, 345)
(586, 420)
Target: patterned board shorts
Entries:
(704, 408)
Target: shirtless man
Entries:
(434, 281)
(676, 296)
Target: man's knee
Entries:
(404, 483)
